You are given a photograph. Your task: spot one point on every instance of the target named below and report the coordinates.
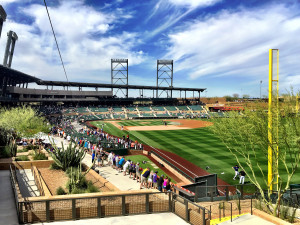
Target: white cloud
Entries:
(82, 35)
(6, 2)
(194, 3)
(235, 44)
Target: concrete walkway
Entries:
(8, 212)
(148, 219)
(124, 183)
(247, 220)
(27, 184)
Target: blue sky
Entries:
(221, 45)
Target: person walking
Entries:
(236, 171)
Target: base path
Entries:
(8, 212)
(177, 125)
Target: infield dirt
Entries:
(178, 125)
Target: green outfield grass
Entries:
(150, 164)
(198, 146)
(143, 123)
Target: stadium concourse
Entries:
(85, 115)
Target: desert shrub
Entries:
(69, 157)
(60, 191)
(92, 188)
(22, 158)
(23, 150)
(54, 166)
(4, 152)
(77, 191)
(40, 156)
(31, 147)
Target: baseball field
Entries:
(197, 145)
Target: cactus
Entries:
(77, 178)
(69, 157)
(12, 148)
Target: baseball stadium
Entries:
(208, 160)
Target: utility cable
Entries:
(56, 41)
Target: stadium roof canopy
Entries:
(99, 85)
(17, 76)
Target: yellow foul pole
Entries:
(273, 115)
(270, 123)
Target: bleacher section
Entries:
(158, 108)
(171, 108)
(131, 112)
(98, 109)
(144, 109)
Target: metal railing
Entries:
(14, 184)
(38, 180)
(229, 209)
(70, 208)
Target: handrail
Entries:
(37, 179)
(14, 182)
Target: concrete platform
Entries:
(27, 184)
(8, 212)
(247, 220)
(148, 219)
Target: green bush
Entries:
(77, 191)
(91, 188)
(4, 152)
(31, 147)
(60, 191)
(22, 158)
(23, 150)
(40, 156)
(54, 166)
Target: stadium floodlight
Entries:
(2, 18)
(273, 114)
(12, 37)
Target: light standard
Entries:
(260, 89)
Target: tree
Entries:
(235, 95)
(246, 137)
(21, 122)
(246, 96)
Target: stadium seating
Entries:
(196, 107)
(158, 108)
(117, 109)
(171, 108)
(144, 109)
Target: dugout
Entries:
(203, 186)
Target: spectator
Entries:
(150, 180)
(154, 180)
(138, 174)
(120, 164)
(165, 184)
(145, 174)
(160, 183)
(125, 167)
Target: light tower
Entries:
(164, 76)
(273, 114)
(2, 18)
(12, 37)
(119, 74)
